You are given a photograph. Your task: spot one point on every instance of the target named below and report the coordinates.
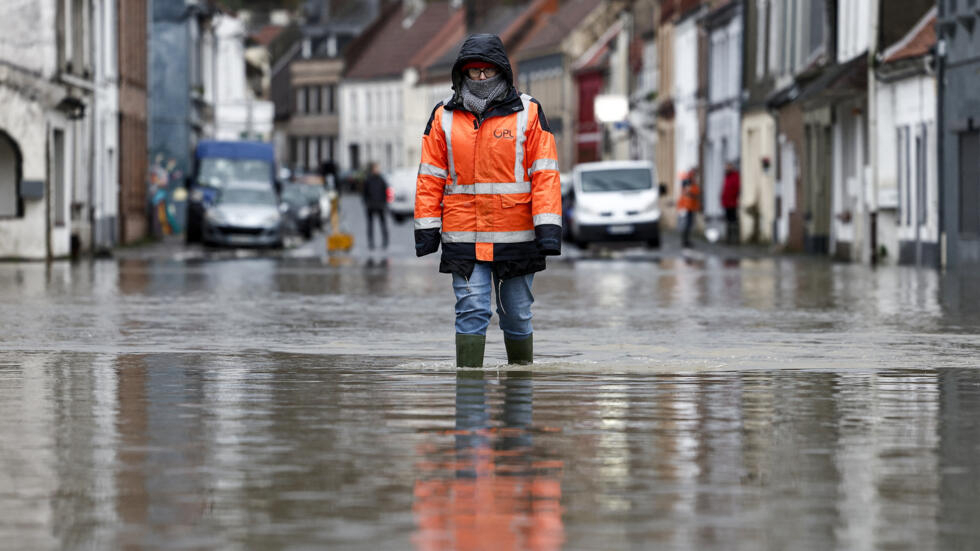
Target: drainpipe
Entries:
(873, 129)
(940, 144)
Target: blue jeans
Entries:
(514, 301)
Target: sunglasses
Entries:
(488, 72)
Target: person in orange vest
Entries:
(688, 205)
(488, 192)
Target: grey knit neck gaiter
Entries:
(478, 94)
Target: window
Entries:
(313, 149)
(10, 174)
(904, 177)
(789, 57)
(301, 100)
(326, 99)
(313, 99)
(762, 38)
(326, 148)
(301, 152)
(969, 183)
(74, 52)
(921, 173)
(776, 38)
(817, 13)
(59, 192)
(355, 156)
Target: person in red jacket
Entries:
(729, 201)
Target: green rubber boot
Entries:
(469, 350)
(521, 351)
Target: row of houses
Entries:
(851, 121)
(851, 133)
(101, 103)
(361, 89)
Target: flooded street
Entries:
(294, 400)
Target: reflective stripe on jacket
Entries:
(489, 190)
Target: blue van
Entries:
(222, 164)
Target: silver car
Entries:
(244, 216)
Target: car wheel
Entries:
(193, 234)
(654, 241)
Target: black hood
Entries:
(482, 47)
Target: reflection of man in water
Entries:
(488, 492)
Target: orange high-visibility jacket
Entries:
(690, 199)
(488, 189)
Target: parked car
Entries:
(222, 164)
(401, 202)
(614, 201)
(314, 194)
(567, 204)
(243, 215)
(300, 210)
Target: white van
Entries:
(614, 201)
(401, 202)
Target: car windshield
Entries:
(247, 196)
(620, 179)
(312, 192)
(294, 195)
(218, 172)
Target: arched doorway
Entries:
(11, 205)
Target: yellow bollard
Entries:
(337, 240)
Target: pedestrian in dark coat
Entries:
(376, 203)
(729, 201)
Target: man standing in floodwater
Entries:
(488, 190)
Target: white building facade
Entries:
(419, 99)
(105, 116)
(907, 173)
(686, 125)
(238, 115)
(851, 191)
(722, 143)
(58, 133)
(371, 124)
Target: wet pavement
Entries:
(183, 398)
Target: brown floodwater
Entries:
(312, 403)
